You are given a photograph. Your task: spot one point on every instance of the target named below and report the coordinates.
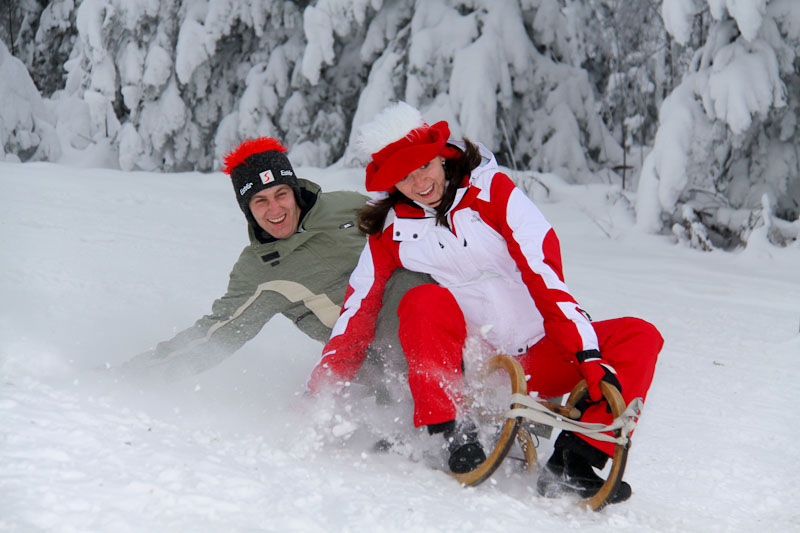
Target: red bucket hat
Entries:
(404, 143)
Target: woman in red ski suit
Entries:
(449, 212)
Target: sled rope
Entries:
(536, 412)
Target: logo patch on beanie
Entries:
(245, 188)
(266, 177)
(286, 173)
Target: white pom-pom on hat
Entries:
(388, 126)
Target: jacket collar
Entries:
(411, 209)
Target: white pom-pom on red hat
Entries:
(388, 126)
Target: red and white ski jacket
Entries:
(500, 259)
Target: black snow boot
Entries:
(570, 470)
(466, 452)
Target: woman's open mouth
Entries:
(426, 192)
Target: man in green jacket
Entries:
(303, 246)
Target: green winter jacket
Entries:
(303, 277)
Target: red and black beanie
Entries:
(258, 164)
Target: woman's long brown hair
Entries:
(372, 217)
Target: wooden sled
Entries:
(513, 429)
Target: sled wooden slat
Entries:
(620, 458)
(568, 412)
(510, 426)
(528, 447)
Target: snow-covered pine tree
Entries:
(40, 33)
(172, 84)
(26, 128)
(551, 85)
(725, 158)
(18, 22)
(478, 65)
(626, 59)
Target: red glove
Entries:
(323, 378)
(595, 369)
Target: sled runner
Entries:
(510, 427)
(523, 407)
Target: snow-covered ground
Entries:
(98, 265)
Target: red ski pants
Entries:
(432, 333)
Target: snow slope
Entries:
(98, 265)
